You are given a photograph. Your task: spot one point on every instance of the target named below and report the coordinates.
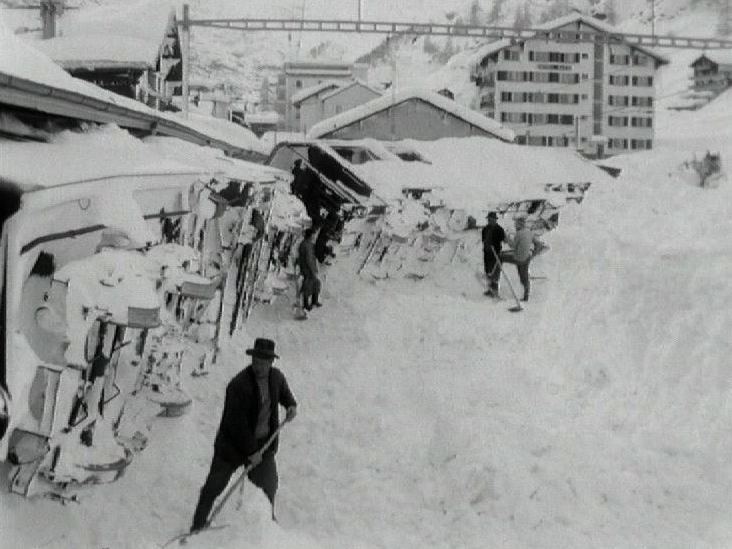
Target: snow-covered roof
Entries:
(90, 52)
(720, 57)
(25, 71)
(595, 23)
(267, 117)
(143, 19)
(575, 17)
(490, 48)
(303, 94)
(212, 159)
(344, 87)
(230, 132)
(100, 153)
(389, 99)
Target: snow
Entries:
(230, 132)
(506, 172)
(721, 57)
(345, 86)
(212, 159)
(303, 94)
(399, 96)
(267, 117)
(146, 20)
(71, 157)
(597, 417)
(73, 52)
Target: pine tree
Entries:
(495, 14)
(475, 15)
(724, 27)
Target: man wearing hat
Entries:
(493, 236)
(525, 246)
(250, 416)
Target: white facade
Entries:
(595, 96)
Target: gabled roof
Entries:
(390, 99)
(91, 52)
(554, 24)
(720, 57)
(305, 93)
(123, 35)
(344, 87)
(143, 19)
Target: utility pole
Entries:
(186, 37)
(653, 18)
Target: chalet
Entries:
(409, 113)
(713, 71)
(562, 88)
(329, 99)
(131, 49)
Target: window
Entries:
(617, 121)
(618, 100)
(619, 59)
(640, 60)
(585, 56)
(616, 80)
(515, 117)
(617, 143)
(643, 81)
(640, 144)
(339, 109)
(511, 55)
(506, 97)
(641, 122)
(642, 101)
(298, 83)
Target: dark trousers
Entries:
(310, 291)
(523, 273)
(492, 270)
(263, 476)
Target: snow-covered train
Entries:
(116, 268)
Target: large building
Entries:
(299, 75)
(560, 90)
(409, 113)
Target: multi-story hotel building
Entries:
(567, 90)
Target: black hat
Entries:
(263, 348)
(492, 215)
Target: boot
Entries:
(526, 294)
(306, 303)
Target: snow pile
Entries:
(230, 132)
(476, 172)
(95, 51)
(212, 159)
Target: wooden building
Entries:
(409, 114)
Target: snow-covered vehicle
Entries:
(112, 261)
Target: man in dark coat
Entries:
(250, 416)
(309, 270)
(493, 236)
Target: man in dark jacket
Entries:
(250, 416)
(493, 236)
(309, 270)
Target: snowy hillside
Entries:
(430, 417)
(240, 60)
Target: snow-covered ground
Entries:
(598, 417)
